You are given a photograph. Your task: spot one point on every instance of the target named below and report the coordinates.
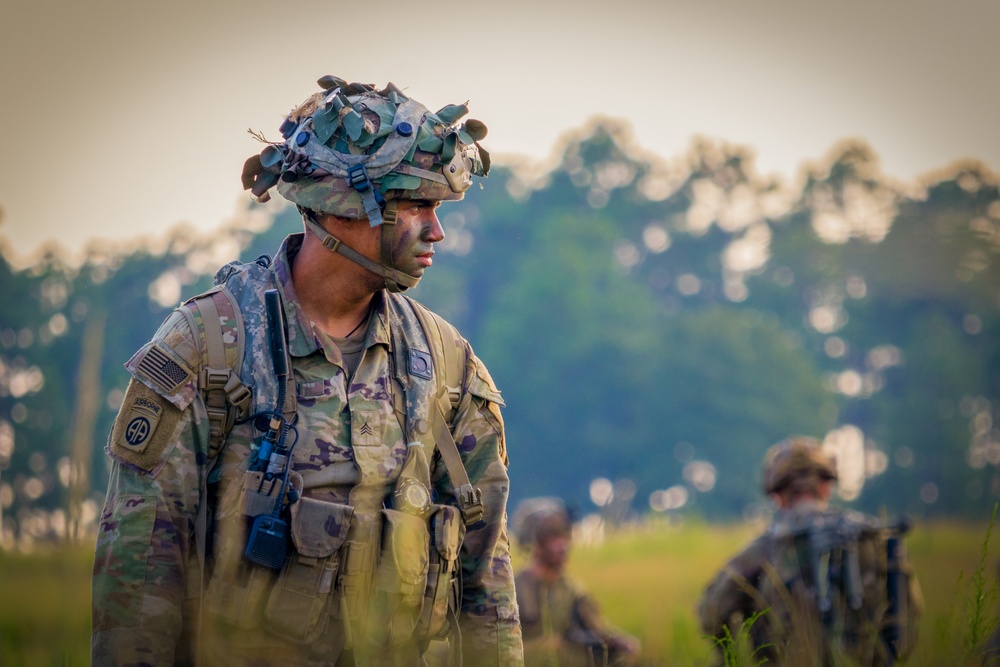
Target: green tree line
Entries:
(655, 323)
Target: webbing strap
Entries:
(214, 374)
(410, 170)
(358, 178)
(388, 243)
(213, 333)
(333, 244)
(444, 346)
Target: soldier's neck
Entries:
(333, 292)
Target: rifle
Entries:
(894, 631)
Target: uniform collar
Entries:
(301, 341)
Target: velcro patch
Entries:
(144, 427)
(140, 423)
(159, 366)
(421, 365)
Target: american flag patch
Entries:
(163, 370)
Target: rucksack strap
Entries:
(445, 344)
(225, 395)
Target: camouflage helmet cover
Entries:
(538, 518)
(350, 148)
(796, 458)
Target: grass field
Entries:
(647, 579)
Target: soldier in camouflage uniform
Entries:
(833, 586)
(318, 517)
(562, 625)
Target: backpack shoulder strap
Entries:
(448, 353)
(216, 317)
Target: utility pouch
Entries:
(400, 580)
(300, 601)
(443, 591)
(237, 591)
(357, 572)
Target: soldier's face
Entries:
(417, 230)
(553, 551)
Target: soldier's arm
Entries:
(588, 612)
(142, 566)
(729, 597)
(491, 633)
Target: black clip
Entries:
(358, 178)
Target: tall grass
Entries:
(648, 580)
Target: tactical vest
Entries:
(390, 574)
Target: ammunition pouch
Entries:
(238, 589)
(301, 599)
(357, 573)
(442, 596)
(400, 579)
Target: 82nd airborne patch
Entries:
(144, 428)
(140, 423)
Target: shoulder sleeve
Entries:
(168, 363)
(157, 446)
(480, 383)
(490, 625)
(164, 384)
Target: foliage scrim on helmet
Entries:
(349, 148)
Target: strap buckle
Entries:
(215, 378)
(470, 502)
(358, 178)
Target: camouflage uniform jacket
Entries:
(765, 578)
(350, 449)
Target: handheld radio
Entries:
(267, 541)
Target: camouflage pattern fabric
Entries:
(764, 577)
(406, 151)
(349, 454)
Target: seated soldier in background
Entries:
(833, 586)
(561, 624)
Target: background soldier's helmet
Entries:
(350, 148)
(796, 459)
(538, 518)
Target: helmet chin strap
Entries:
(395, 280)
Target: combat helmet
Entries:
(798, 458)
(538, 518)
(354, 151)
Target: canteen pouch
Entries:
(237, 591)
(443, 591)
(400, 579)
(300, 601)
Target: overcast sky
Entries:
(121, 118)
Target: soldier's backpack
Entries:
(840, 580)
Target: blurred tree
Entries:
(662, 322)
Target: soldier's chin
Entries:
(415, 272)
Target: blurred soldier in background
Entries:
(834, 586)
(562, 625)
(287, 483)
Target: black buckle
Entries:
(358, 178)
